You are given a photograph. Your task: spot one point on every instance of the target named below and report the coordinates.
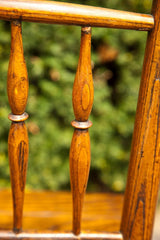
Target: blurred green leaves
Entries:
(51, 53)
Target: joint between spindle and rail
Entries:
(18, 118)
(17, 230)
(17, 22)
(73, 14)
(86, 29)
(81, 125)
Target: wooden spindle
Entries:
(17, 88)
(80, 147)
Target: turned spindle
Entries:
(17, 88)
(80, 147)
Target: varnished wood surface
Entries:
(18, 159)
(63, 236)
(79, 171)
(18, 147)
(52, 212)
(80, 153)
(67, 13)
(144, 169)
(83, 90)
(17, 83)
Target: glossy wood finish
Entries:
(18, 157)
(17, 85)
(83, 84)
(17, 88)
(144, 168)
(79, 171)
(51, 212)
(80, 147)
(74, 14)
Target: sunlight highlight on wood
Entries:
(73, 14)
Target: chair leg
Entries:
(144, 168)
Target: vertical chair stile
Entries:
(144, 168)
(80, 147)
(17, 88)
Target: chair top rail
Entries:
(73, 14)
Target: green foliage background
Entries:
(51, 53)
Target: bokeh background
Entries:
(51, 53)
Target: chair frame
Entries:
(144, 167)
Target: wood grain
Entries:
(18, 158)
(17, 89)
(51, 212)
(17, 84)
(83, 91)
(82, 98)
(79, 171)
(144, 168)
(74, 14)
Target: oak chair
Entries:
(144, 167)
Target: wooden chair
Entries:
(144, 168)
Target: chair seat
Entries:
(46, 211)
